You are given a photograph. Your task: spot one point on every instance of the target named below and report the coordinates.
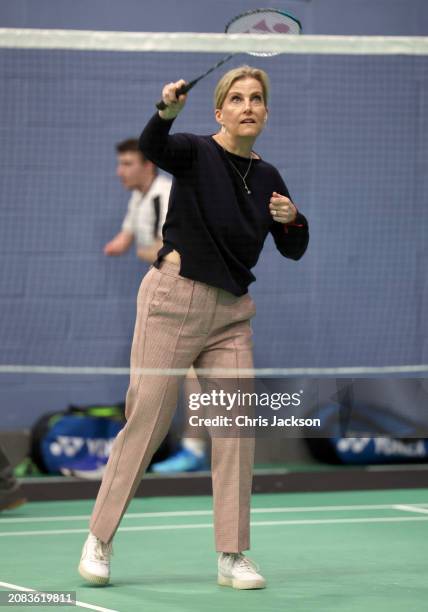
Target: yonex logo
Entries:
(387, 447)
(66, 445)
(262, 28)
(356, 445)
(70, 446)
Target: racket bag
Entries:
(78, 441)
(366, 437)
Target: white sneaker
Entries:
(235, 570)
(95, 561)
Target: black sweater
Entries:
(218, 229)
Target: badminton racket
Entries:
(258, 21)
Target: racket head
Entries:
(264, 21)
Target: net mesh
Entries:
(347, 129)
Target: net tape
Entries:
(22, 38)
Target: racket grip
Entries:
(178, 92)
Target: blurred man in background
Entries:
(147, 206)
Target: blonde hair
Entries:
(242, 72)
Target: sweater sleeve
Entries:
(291, 239)
(172, 153)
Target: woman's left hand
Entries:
(282, 209)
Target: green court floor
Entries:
(362, 551)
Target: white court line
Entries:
(390, 519)
(81, 604)
(412, 508)
(142, 515)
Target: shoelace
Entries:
(103, 551)
(245, 562)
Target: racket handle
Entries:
(178, 92)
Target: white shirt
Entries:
(146, 212)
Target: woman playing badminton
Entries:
(194, 306)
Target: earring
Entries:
(265, 118)
(223, 129)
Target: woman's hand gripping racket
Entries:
(185, 87)
(259, 21)
(173, 99)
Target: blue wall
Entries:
(349, 135)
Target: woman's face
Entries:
(244, 111)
